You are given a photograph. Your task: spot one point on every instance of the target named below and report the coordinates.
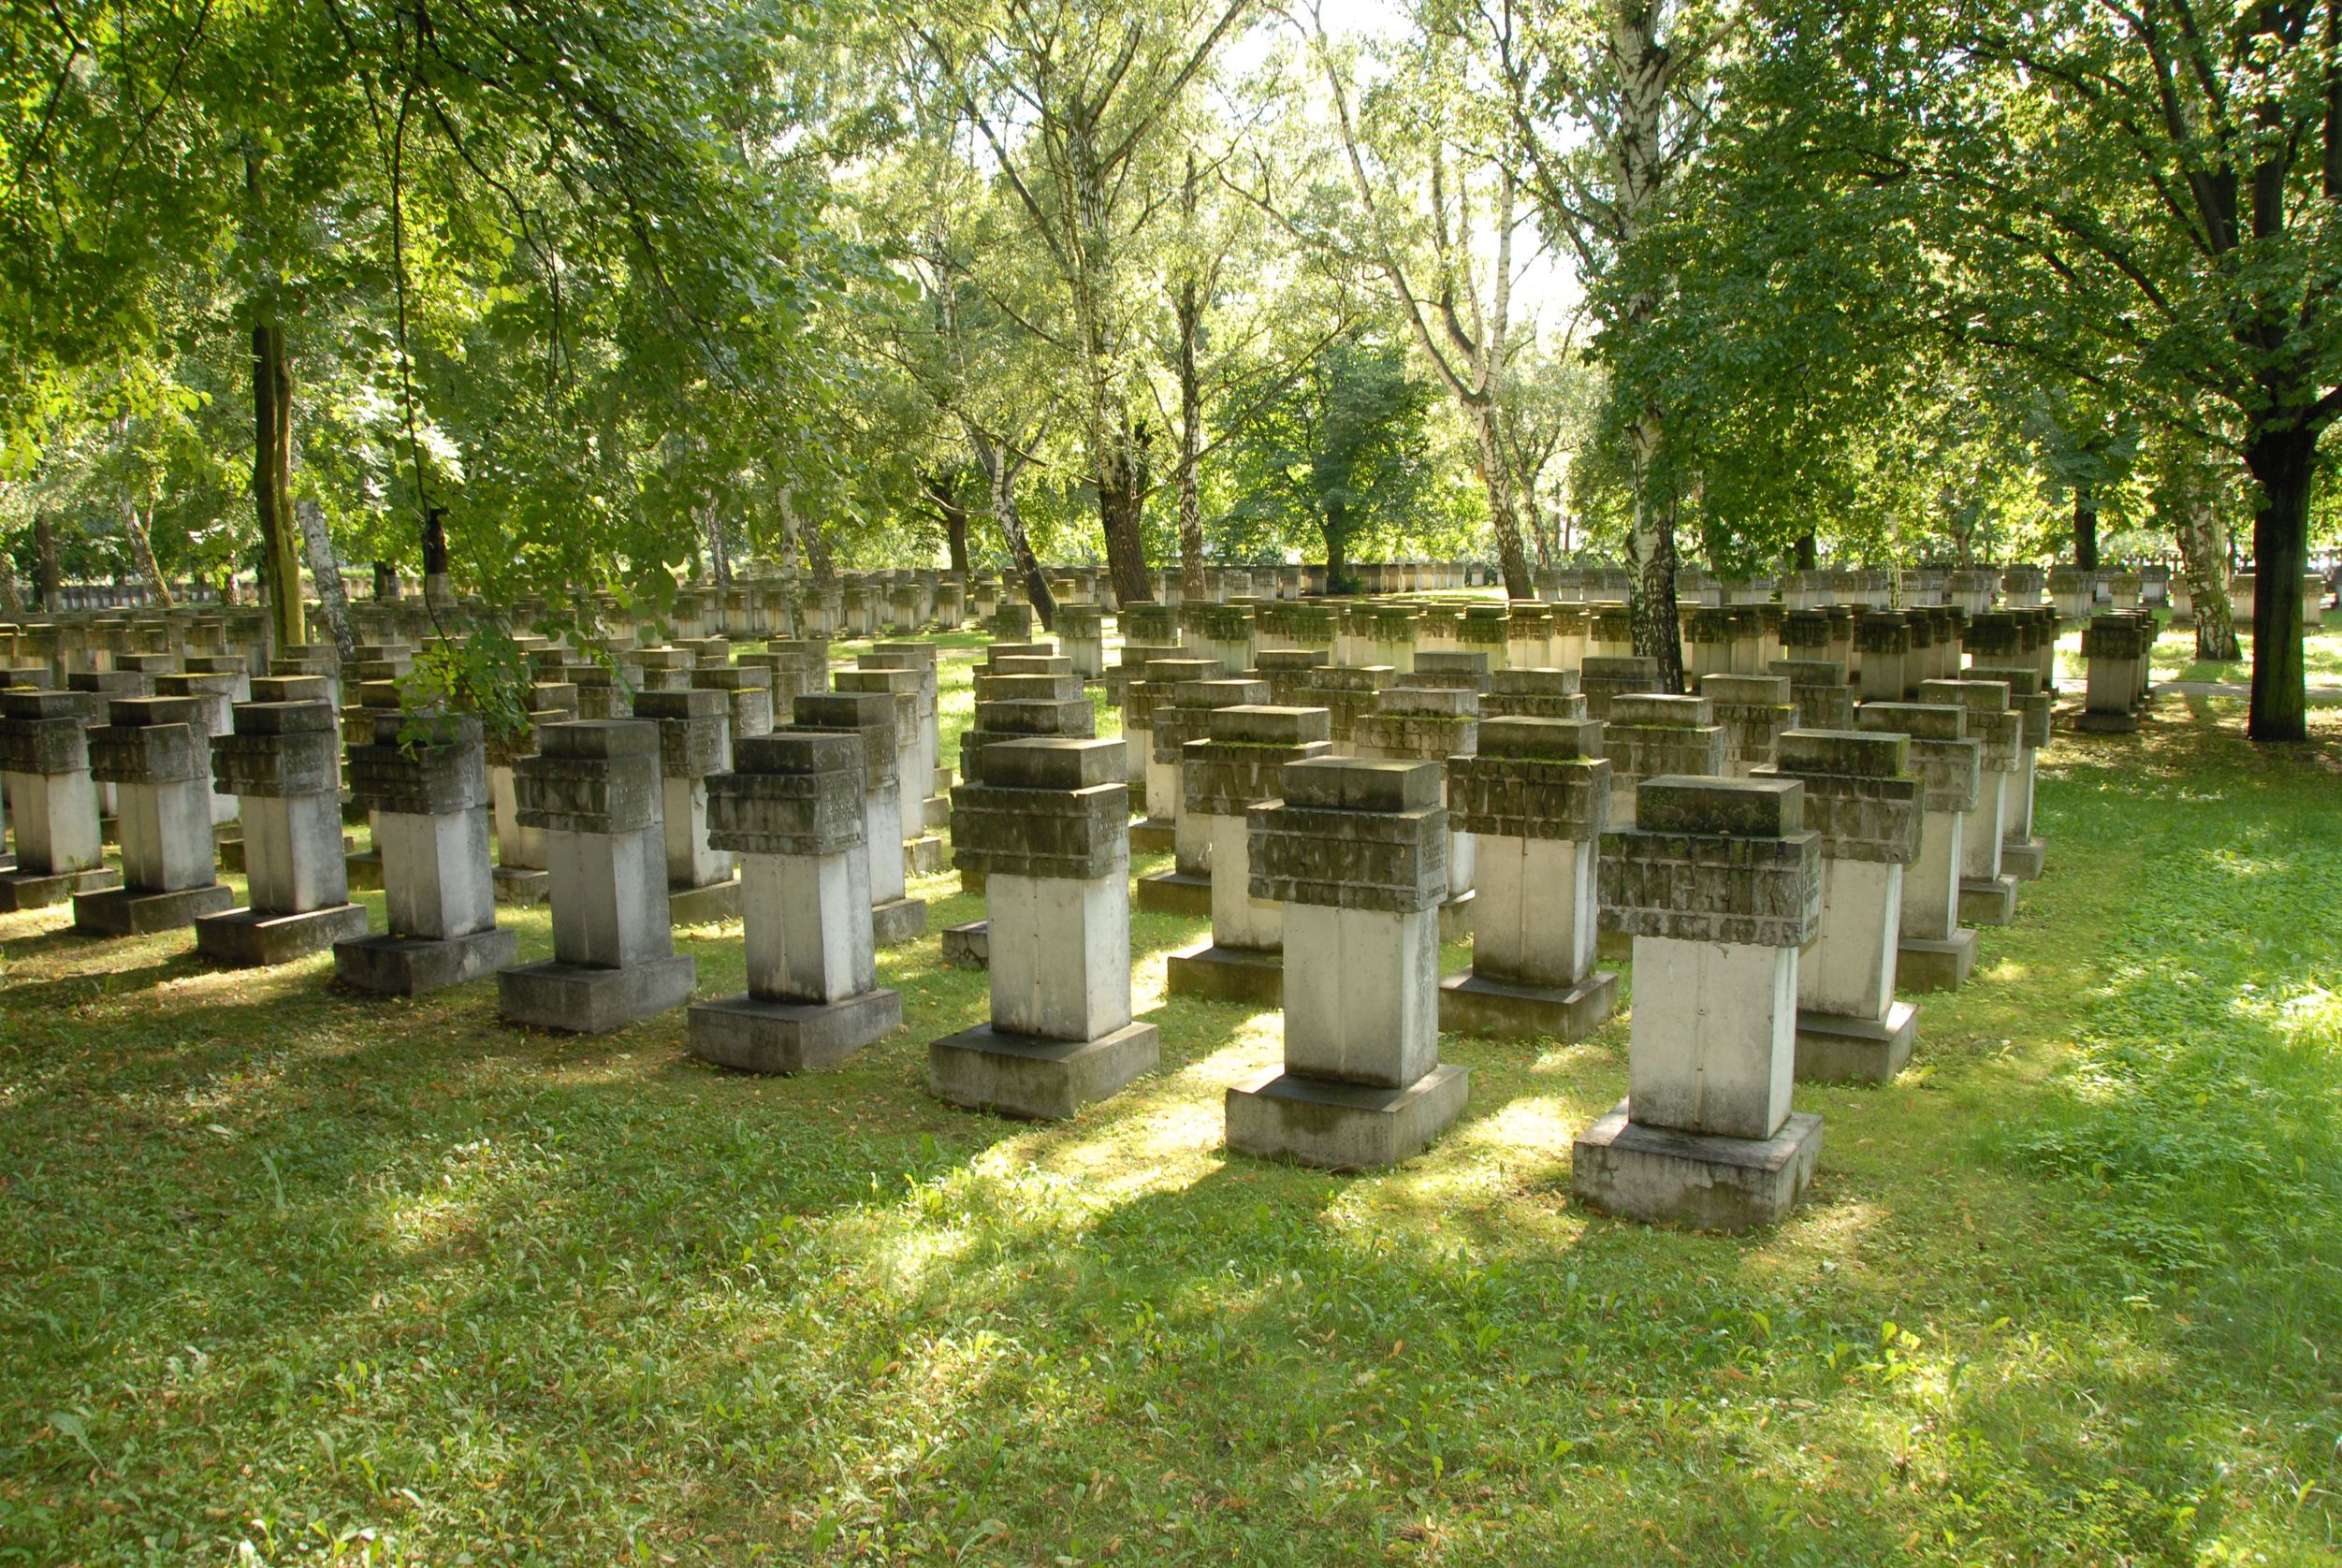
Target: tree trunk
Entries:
(272, 480)
(1335, 526)
(718, 550)
(943, 493)
(2085, 527)
(44, 562)
(2203, 561)
(1809, 552)
(2285, 461)
(1003, 469)
(333, 599)
(438, 589)
(1503, 510)
(11, 596)
(143, 553)
(1121, 504)
(1190, 439)
(1651, 555)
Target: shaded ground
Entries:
(293, 1274)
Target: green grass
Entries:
(2175, 656)
(291, 1275)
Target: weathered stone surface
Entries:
(593, 776)
(868, 714)
(1050, 809)
(1532, 694)
(1537, 778)
(793, 793)
(694, 729)
(152, 740)
(1241, 760)
(43, 733)
(1860, 793)
(423, 779)
(1713, 860)
(278, 749)
(1949, 764)
(1353, 835)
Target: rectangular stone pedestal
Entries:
(127, 912)
(1153, 836)
(899, 921)
(1321, 1122)
(2106, 723)
(521, 885)
(718, 900)
(1472, 1005)
(248, 938)
(1987, 901)
(1455, 916)
(36, 890)
(2024, 860)
(364, 871)
(923, 856)
(1924, 964)
(578, 999)
(1696, 1179)
(1175, 893)
(969, 945)
(1835, 1050)
(751, 1034)
(1227, 975)
(415, 965)
(984, 1068)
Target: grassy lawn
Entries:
(291, 1275)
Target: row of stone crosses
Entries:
(1779, 855)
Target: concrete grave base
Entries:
(971, 882)
(1987, 902)
(1455, 916)
(1837, 1050)
(969, 945)
(41, 890)
(1471, 1005)
(1694, 1179)
(249, 939)
(1615, 946)
(716, 901)
(1173, 892)
(923, 856)
(521, 885)
(1922, 964)
(1017, 1075)
(899, 921)
(940, 786)
(1227, 975)
(110, 832)
(576, 999)
(353, 814)
(753, 1035)
(365, 871)
(2024, 860)
(935, 812)
(127, 912)
(1152, 836)
(2105, 723)
(413, 966)
(230, 852)
(1278, 1116)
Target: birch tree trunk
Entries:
(141, 540)
(333, 598)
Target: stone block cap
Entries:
(1869, 754)
(23, 703)
(312, 717)
(1359, 784)
(1436, 702)
(846, 710)
(785, 752)
(1978, 696)
(1556, 740)
(139, 713)
(1772, 691)
(1018, 664)
(1721, 807)
(1286, 660)
(1809, 672)
(692, 701)
(1264, 724)
(292, 688)
(869, 678)
(1919, 720)
(1451, 663)
(601, 737)
(1055, 764)
(1534, 683)
(1175, 672)
(1620, 666)
(923, 653)
(1661, 710)
(1219, 693)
